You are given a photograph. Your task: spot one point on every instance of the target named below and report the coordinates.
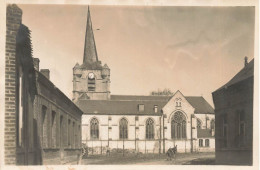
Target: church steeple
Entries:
(90, 52)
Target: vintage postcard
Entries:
(130, 84)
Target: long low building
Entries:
(42, 125)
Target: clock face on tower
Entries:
(91, 75)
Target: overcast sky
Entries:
(192, 49)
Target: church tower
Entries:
(91, 80)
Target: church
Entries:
(130, 123)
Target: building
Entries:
(41, 123)
(234, 118)
(148, 124)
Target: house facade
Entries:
(234, 118)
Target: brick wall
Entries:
(13, 21)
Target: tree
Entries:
(164, 92)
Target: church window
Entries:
(94, 129)
(141, 107)
(198, 124)
(149, 129)
(178, 102)
(123, 129)
(207, 142)
(178, 126)
(200, 142)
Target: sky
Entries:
(192, 49)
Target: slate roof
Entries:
(128, 105)
(119, 107)
(200, 105)
(246, 72)
(204, 133)
(139, 98)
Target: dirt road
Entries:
(152, 159)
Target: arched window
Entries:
(149, 129)
(178, 126)
(212, 124)
(207, 142)
(94, 129)
(123, 129)
(200, 142)
(198, 124)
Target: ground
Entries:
(151, 159)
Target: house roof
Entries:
(128, 104)
(200, 104)
(246, 72)
(204, 133)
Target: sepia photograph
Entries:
(130, 85)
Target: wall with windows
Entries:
(59, 124)
(206, 144)
(141, 133)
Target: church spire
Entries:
(90, 52)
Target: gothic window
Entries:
(94, 129)
(91, 82)
(149, 129)
(200, 142)
(198, 124)
(207, 142)
(123, 129)
(178, 102)
(178, 126)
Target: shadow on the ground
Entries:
(201, 161)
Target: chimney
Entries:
(246, 62)
(36, 63)
(46, 73)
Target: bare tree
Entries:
(164, 92)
